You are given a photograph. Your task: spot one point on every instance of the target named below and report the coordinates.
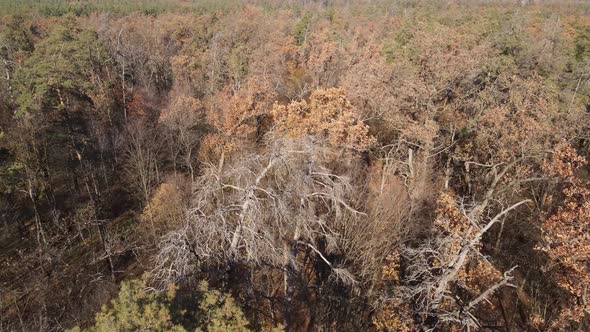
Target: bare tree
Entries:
(265, 209)
(143, 155)
(438, 267)
(182, 119)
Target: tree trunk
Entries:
(289, 288)
(8, 80)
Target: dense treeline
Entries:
(295, 165)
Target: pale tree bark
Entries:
(249, 198)
(8, 78)
(433, 285)
(265, 210)
(458, 261)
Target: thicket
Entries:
(322, 165)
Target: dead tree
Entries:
(437, 268)
(264, 210)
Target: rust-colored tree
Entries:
(566, 235)
(328, 114)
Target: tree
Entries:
(220, 312)
(136, 309)
(182, 118)
(454, 276)
(328, 115)
(65, 70)
(265, 208)
(164, 212)
(240, 226)
(139, 308)
(141, 46)
(63, 94)
(566, 237)
(393, 312)
(143, 157)
(239, 119)
(16, 42)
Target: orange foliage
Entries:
(478, 274)
(238, 118)
(136, 106)
(567, 236)
(394, 314)
(328, 114)
(564, 162)
(323, 59)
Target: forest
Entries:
(294, 165)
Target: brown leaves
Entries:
(393, 313)
(328, 114)
(391, 268)
(165, 207)
(449, 217)
(564, 162)
(237, 117)
(566, 234)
